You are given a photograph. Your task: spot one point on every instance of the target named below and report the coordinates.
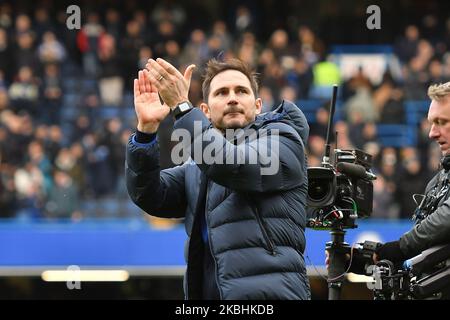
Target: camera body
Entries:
(339, 194)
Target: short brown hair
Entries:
(214, 67)
(439, 91)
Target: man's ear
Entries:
(205, 108)
(258, 104)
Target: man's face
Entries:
(231, 101)
(439, 118)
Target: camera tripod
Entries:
(337, 250)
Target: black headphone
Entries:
(445, 162)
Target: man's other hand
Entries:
(171, 84)
(149, 110)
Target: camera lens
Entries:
(318, 190)
(321, 187)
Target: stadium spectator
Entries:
(6, 67)
(62, 200)
(51, 95)
(51, 50)
(24, 92)
(110, 81)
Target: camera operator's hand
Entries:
(149, 110)
(358, 262)
(327, 258)
(171, 84)
(389, 251)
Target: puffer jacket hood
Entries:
(287, 112)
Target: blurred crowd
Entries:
(66, 98)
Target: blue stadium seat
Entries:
(339, 113)
(397, 135)
(71, 100)
(310, 107)
(108, 112)
(69, 113)
(89, 86)
(128, 100)
(129, 209)
(70, 68)
(109, 207)
(70, 85)
(89, 207)
(320, 92)
(128, 115)
(339, 49)
(416, 111)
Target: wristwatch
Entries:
(181, 109)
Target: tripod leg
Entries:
(336, 270)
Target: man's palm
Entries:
(149, 110)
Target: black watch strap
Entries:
(182, 108)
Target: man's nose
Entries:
(232, 98)
(434, 132)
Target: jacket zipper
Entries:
(268, 240)
(209, 240)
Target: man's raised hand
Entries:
(170, 83)
(149, 110)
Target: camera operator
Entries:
(432, 216)
(246, 230)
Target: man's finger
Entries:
(136, 88)
(158, 70)
(152, 86)
(188, 74)
(148, 85)
(155, 83)
(153, 67)
(141, 81)
(168, 67)
(375, 258)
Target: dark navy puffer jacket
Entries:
(255, 222)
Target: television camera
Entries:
(339, 193)
(424, 276)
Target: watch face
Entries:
(181, 108)
(184, 106)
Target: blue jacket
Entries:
(255, 223)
